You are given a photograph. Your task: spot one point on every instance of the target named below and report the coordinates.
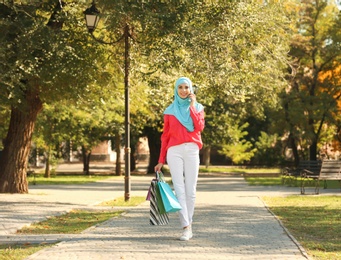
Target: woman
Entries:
(180, 145)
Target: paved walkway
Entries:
(231, 222)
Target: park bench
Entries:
(290, 174)
(330, 170)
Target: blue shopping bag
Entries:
(169, 200)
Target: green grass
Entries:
(120, 202)
(65, 179)
(73, 222)
(315, 221)
(19, 252)
(241, 170)
(277, 181)
(264, 181)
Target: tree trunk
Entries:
(132, 155)
(118, 154)
(154, 143)
(17, 145)
(313, 146)
(69, 151)
(47, 166)
(294, 148)
(207, 156)
(86, 160)
(37, 157)
(313, 151)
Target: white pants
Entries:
(183, 162)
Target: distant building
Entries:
(104, 153)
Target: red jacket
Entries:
(174, 133)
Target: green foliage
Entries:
(236, 52)
(87, 122)
(49, 54)
(57, 61)
(240, 152)
(310, 102)
(236, 62)
(268, 149)
(238, 149)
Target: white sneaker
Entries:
(187, 234)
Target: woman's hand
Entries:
(193, 99)
(158, 167)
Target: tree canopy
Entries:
(265, 71)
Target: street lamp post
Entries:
(92, 16)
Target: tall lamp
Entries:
(92, 17)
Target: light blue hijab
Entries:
(180, 106)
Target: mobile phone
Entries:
(195, 89)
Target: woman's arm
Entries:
(198, 119)
(164, 140)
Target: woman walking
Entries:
(180, 145)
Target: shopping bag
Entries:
(159, 201)
(169, 200)
(156, 217)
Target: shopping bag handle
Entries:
(157, 178)
(160, 176)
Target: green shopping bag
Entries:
(159, 202)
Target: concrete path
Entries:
(231, 222)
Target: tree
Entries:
(48, 135)
(310, 102)
(234, 52)
(238, 149)
(44, 61)
(152, 23)
(243, 51)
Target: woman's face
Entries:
(183, 90)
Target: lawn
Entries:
(315, 221)
(120, 202)
(39, 179)
(19, 252)
(240, 170)
(73, 222)
(263, 176)
(277, 181)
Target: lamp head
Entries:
(92, 16)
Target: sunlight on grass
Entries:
(315, 221)
(263, 181)
(19, 252)
(278, 181)
(65, 179)
(73, 222)
(120, 202)
(230, 169)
